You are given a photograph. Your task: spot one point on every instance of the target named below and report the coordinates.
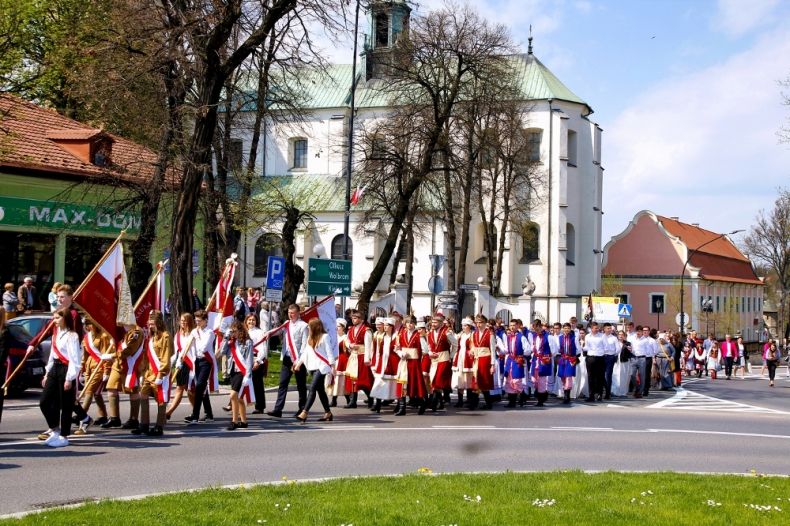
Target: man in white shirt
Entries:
(642, 348)
(594, 345)
(609, 358)
(294, 334)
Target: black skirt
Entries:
(182, 376)
(235, 381)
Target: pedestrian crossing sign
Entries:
(625, 310)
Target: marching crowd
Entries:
(407, 364)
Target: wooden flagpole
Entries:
(159, 270)
(40, 336)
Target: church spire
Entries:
(529, 47)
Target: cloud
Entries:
(702, 146)
(736, 17)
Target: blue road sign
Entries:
(275, 273)
(624, 311)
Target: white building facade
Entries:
(546, 280)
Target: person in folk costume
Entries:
(294, 335)
(484, 348)
(386, 386)
(183, 362)
(359, 377)
(527, 385)
(338, 386)
(425, 363)
(700, 355)
(376, 358)
(714, 359)
(515, 347)
(201, 351)
(127, 360)
(60, 380)
(498, 329)
(411, 345)
(441, 340)
(463, 361)
(555, 384)
(449, 322)
(96, 371)
(318, 356)
(568, 358)
(238, 348)
(156, 381)
(541, 365)
(261, 350)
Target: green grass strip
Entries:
(571, 498)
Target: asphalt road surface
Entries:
(707, 426)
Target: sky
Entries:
(686, 91)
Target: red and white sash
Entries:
(130, 382)
(62, 357)
(91, 348)
(292, 350)
(246, 392)
(185, 356)
(163, 390)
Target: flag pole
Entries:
(160, 267)
(40, 336)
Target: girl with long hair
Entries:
(317, 356)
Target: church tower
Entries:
(388, 20)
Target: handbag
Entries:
(625, 352)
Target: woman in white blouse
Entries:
(60, 379)
(317, 356)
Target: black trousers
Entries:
(202, 376)
(608, 363)
(728, 363)
(595, 374)
(259, 388)
(317, 387)
(285, 379)
(771, 368)
(56, 403)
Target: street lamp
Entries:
(659, 304)
(683, 275)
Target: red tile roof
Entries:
(718, 260)
(26, 142)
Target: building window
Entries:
(717, 304)
(338, 244)
(658, 304)
(534, 138)
(382, 30)
(235, 148)
(267, 245)
(488, 150)
(570, 244)
(572, 147)
(299, 154)
(623, 297)
(530, 243)
(378, 149)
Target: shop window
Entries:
(28, 255)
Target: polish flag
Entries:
(356, 196)
(153, 297)
(220, 309)
(105, 296)
(324, 310)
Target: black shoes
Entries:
(155, 431)
(101, 421)
(275, 414)
(112, 422)
(132, 423)
(190, 420)
(140, 430)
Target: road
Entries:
(722, 426)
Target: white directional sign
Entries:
(624, 311)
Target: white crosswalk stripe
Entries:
(692, 401)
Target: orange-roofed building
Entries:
(64, 194)
(722, 293)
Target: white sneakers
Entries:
(56, 440)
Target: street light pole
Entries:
(683, 275)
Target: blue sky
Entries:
(686, 91)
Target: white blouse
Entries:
(309, 356)
(69, 346)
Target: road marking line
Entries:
(693, 401)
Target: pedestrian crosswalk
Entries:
(693, 401)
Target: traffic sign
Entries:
(273, 295)
(436, 284)
(437, 260)
(328, 276)
(275, 272)
(686, 319)
(624, 311)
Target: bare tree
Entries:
(443, 52)
(768, 243)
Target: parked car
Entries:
(21, 330)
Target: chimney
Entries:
(695, 224)
(674, 218)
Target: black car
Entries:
(20, 331)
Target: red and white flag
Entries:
(105, 296)
(325, 311)
(153, 297)
(220, 311)
(356, 196)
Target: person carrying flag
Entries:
(201, 350)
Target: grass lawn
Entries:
(573, 498)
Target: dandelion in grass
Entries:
(425, 471)
(712, 503)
